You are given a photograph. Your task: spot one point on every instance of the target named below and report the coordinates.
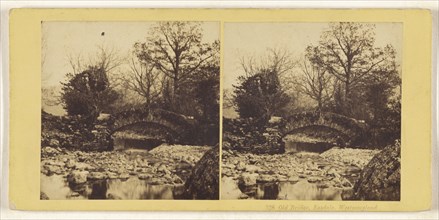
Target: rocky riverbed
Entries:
(334, 170)
(165, 165)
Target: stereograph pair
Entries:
(172, 109)
(129, 110)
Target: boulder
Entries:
(252, 168)
(70, 163)
(124, 176)
(96, 176)
(380, 179)
(157, 181)
(77, 177)
(162, 168)
(112, 175)
(293, 179)
(240, 165)
(144, 176)
(52, 169)
(313, 179)
(248, 179)
(113, 197)
(83, 166)
(49, 151)
(203, 183)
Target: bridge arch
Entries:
(157, 123)
(350, 130)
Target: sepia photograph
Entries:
(130, 110)
(312, 111)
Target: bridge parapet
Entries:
(349, 127)
(179, 126)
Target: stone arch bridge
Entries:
(350, 130)
(156, 124)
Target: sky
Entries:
(61, 40)
(253, 40)
(64, 39)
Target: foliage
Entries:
(260, 96)
(88, 93)
(348, 53)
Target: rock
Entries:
(347, 194)
(229, 166)
(83, 166)
(162, 168)
(70, 163)
(53, 142)
(157, 181)
(168, 177)
(49, 151)
(111, 175)
(77, 177)
(96, 176)
(310, 165)
(240, 166)
(52, 169)
(124, 176)
(332, 172)
(203, 183)
(74, 194)
(266, 178)
(144, 176)
(177, 180)
(293, 179)
(243, 196)
(113, 197)
(56, 163)
(322, 185)
(313, 179)
(103, 117)
(248, 179)
(226, 172)
(380, 179)
(43, 196)
(252, 169)
(282, 178)
(346, 183)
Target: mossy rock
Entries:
(203, 183)
(380, 180)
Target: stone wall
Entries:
(75, 132)
(241, 135)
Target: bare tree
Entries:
(315, 82)
(279, 61)
(347, 51)
(105, 58)
(145, 80)
(175, 49)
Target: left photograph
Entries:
(130, 110)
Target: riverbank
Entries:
(336, 168)
(165, 165)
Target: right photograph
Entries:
(312, 111)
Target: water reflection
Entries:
(301, 190)
(56, 188)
